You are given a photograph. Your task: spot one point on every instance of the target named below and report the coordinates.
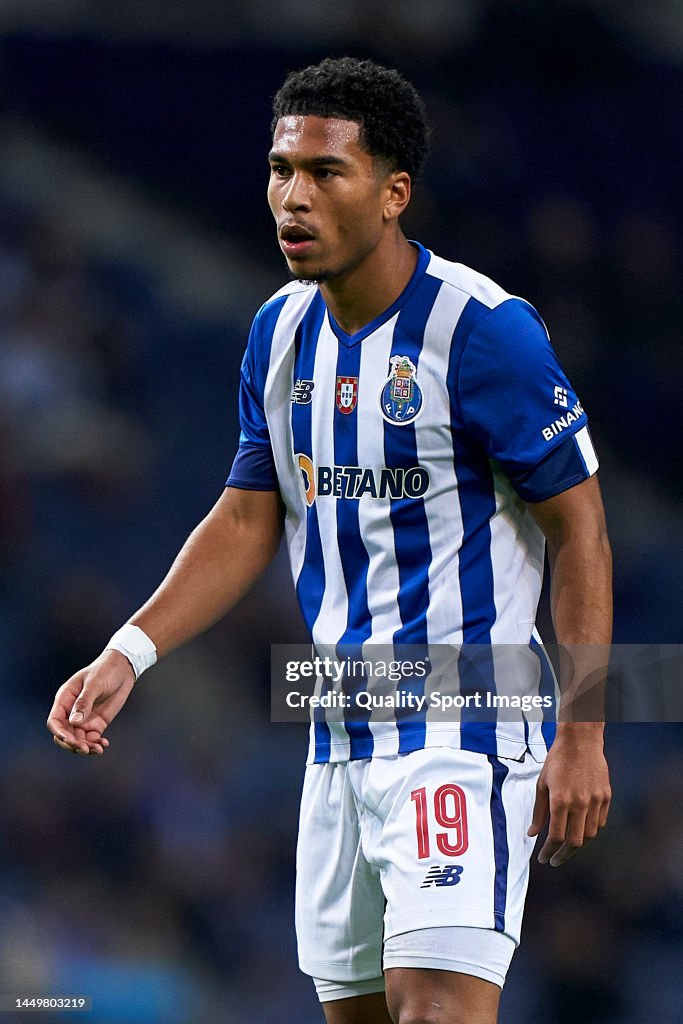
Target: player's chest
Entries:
(382, 395)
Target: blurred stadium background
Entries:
(135, 245)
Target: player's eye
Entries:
(279, 170)
(323, 173)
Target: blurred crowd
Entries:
(159, 878)
(159, 882)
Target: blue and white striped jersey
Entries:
(405, 455)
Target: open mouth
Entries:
(296, 240)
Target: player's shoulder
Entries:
(302, 288)
(294, 292)
(296, 296)
(472, 282)
(488, 302)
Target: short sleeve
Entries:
(254, 467)
(516, 401)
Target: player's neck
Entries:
(356, 298)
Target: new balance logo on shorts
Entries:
(450, 875)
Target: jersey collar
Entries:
(423, 258)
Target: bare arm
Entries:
(220, 561)
(574, 785)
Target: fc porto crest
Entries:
(401, 396)
(347, 394)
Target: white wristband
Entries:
(134, 643)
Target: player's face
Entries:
(328, 196)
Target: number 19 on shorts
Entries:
(446, 810)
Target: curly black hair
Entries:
(389, 110)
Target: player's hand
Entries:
(87, 702)
(574, 790)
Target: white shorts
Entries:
(394, 845)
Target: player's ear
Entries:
(398, 189)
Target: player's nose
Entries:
(297, 194)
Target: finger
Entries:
(557, 832)
(604, 810)
(592, 825)
(58, 726)
(65, 697)
(82, 749)
(83, 745)
(95, 742)
(73, 748)
(67, 739)
(91, 740)
(96, 723)
(58, 719)
(78, 743)
(576, 828)
(62, 743)
(541, 811)
(95, 736)
(82, 707)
